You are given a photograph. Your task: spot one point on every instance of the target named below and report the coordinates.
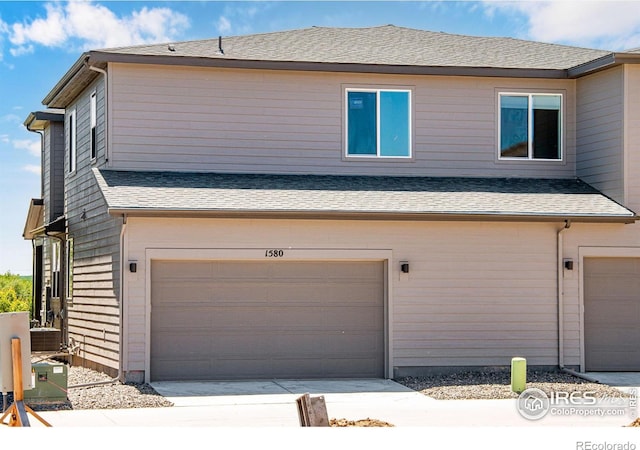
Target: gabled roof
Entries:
(383, 49)
(373, 197)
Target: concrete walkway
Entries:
(273, 404)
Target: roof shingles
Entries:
(172, 192)
(383, 45)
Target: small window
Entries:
(55, 269)
(69, 268)
(72, 141)
(378, 123)
(531, 126)
(94, 121)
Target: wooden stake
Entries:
(312, 411)
(18, 410)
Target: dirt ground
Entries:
(359, 423)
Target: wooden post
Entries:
(312, 411)
(18, 411)
(16, 354)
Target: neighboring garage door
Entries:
(259, 320)
(612, 314)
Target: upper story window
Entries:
(530, 126)
(94, 112)
(73, 154)
(378, 123)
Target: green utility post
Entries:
(518, 375)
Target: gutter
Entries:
(605, 62)
(560, 273)
(365, 215)
(106, 107)
(66, 79)
(314, 66)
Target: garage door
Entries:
(258, 320)
(612, 314)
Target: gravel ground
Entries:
(493, 384)
(496, 384)
(112, 395)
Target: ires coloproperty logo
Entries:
(534, 404)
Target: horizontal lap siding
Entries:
(632, 137)
(600, 131)
(207, 119)
(476, 294)
(94, 317)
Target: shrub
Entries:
(15, 293)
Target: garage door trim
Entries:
(597, 252)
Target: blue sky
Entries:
(40, 40)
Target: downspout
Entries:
(41, 134)
(122, 232)
(33, 243)
(106, 109)
(120, 373)
(560, 285)
(560, 270)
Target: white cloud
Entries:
(32, 168)
(223, 25)
(86, 24)
(4, 138)
(610, 25)
(11, 118)
(21, 50)
(239, 19)
(33, 147)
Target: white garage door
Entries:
(612, 314)
(213, 320)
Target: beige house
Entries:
(333, 202)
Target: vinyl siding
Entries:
(226, 120)
(600, 113)
(94, 315)
(632, 136)
(53, 175)
(477, 294)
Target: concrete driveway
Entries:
(273, 404)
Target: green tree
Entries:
(15, 293)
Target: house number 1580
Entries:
(274, 253)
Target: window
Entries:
(378, 123)
(530, 126)
(55, 269)
(94, 110)
(69, 268)
(72, 141)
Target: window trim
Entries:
(530, 95)
(73, 141)
(377, 90)
(93, 138)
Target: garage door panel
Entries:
(612, 314)
(264, 320)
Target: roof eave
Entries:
(34, 221)
(368, 215)
(103, 57)
(606, 62)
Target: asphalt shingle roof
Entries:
(172, 192)
(383, 45)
